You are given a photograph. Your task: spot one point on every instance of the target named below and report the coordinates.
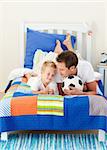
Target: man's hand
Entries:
(73, 91)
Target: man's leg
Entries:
(67, 42)
(58, 50)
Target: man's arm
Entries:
(91, 90)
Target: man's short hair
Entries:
(69, 58)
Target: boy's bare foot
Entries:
(28, 76)
(58, 48)
(67, 42)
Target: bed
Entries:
(20, 109)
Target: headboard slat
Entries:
(50, 31)
(60, 31)
(79, 43)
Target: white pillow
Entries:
(40, 57)
(38, 60)
(19, 72)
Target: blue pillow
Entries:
(40, 40)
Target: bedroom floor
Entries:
(32, 141)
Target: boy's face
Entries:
(63, 70)
(49, 74)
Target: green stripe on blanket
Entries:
(50, 105)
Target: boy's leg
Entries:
(67, 42)
(58, 50)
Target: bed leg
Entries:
(101, 135)
(4, 136)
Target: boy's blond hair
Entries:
(48, 64)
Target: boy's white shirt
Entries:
(37, 85)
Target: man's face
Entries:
(62, 69)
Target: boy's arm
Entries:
(41, 92)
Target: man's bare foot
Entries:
(67, 42)
(58, 48)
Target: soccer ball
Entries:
(72, 81)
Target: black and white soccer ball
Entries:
(72, 81)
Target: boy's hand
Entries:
(41, 92)
(50, 91)
(45, 92)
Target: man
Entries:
(68, 64)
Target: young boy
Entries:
(44, 83)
